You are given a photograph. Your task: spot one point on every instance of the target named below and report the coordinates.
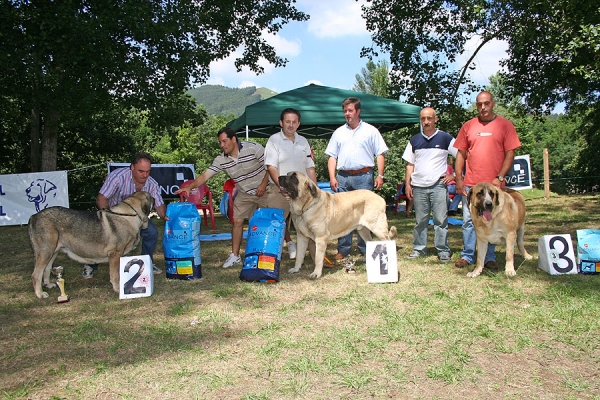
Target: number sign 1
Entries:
(136, 278)
(382, 261)
(556, 255)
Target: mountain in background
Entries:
(219, 99)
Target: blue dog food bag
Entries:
(588, 251)
(266, 233)
(181, 242)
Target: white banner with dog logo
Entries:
(22, 195)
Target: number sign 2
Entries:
(136, 278)
(556, 255)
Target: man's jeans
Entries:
(431, 200)
(149, 239)
(470, 239)
(347, 183)
(455, 200)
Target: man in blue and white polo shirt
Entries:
(426, 155)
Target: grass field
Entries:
(435, 334)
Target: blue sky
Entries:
(326, 50)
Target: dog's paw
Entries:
(293, 270)
(314, 275)
(44, 295)
(50, 285)
(528, 257)
(472, 274)
(510, 272)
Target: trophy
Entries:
(63, 298)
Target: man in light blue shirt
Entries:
(352, 149)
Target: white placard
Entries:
(382, 261)
(136, 278)
(556, 255)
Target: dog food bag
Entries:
(588, 251)
(266, 234)
(181, 242)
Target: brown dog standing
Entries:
(87, 237)
(498, 216)
(323, 216)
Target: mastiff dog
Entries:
(498, 217)
(323, 216)
(87, 237)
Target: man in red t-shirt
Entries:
(487, 144)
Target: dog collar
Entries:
(126, 215)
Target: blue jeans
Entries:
(456, 200)
(431, 200)
(347, 183)
(149, 240)
(470, 239)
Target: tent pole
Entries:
(247, 133)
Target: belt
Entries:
(357, 171)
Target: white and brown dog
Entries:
(498, 216)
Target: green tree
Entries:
(552, 46)
(374, 79)
(66, 59)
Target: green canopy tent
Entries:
(321, 110)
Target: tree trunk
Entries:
(50, 141)
(35, 140)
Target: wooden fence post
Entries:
(546, 175)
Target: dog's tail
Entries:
(393, 232)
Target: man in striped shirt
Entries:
(244, 162)
(122, 183)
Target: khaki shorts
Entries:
(245, 204)
(276, 200)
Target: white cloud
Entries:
(222, 69)
(215, 81)
(334, 18)
(283, 47)
(244, 84)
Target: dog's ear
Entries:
(469, 197)
(497, 193)
(148, 205)
(312, 188)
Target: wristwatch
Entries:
(500, 178)
(380, 176)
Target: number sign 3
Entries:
(556, 255)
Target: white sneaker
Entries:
(88, 272)
(291, 249)
(232, 260)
